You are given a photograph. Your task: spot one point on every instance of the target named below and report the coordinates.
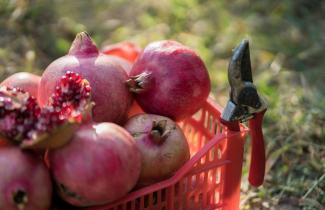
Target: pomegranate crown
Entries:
(83, 45)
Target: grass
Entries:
(287, 57)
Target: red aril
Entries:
(23, 122)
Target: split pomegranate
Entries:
(19, 113)
(169, 79)
(23, 122)
(23, 80)
(127, 50)
(162, 144)
(25, 182)
(4, 142)
(99, 165)
(107, 79)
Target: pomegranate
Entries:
(162, 144)
(107, 79)
(127, 50)
(99, 165)
(24, 80)
(126, 53)
(23, 122)
(25, 182)
(126, 65)
(169, 79)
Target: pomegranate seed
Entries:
(21, 118)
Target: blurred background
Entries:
(287, 52)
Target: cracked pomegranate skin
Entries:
(24, 80)
(106, 77)
(21, 170)
(178, 82)
(99, 165)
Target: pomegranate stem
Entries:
(138, 83)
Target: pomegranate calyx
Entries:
(20, 199)
(139, 83)
(159, 131)
(83, 45)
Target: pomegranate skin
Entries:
(125, 53)
(162, 144)
(24, 80)
(176, 82)
(23, 173)
(99, 165)
(106, 77)
(125, 64)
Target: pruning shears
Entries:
(246, 105)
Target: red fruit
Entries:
(125, 53)
(126, 65)
(162, 145)
(99, 165)
(169, 79)
(19, 113)
(23, 80)
(23, 122)
(25, 183)
(107, 79)
(127, 50)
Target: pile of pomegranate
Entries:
(97, 124)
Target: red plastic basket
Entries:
(209, 180)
